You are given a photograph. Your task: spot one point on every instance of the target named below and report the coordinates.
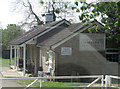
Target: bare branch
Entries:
(31, 10)
(25, 5)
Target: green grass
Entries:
(5, 62)
(50, 84)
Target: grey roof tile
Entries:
(32, 33)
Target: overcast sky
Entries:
(8, 15)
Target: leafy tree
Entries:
(9, 34)
(108, 12)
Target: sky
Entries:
(8, 15)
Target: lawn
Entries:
(4, 62)
(50, 84)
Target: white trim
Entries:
(40, 59)
(11, 55)
(15, 57)
(24, 59)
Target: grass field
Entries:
(50, 84)
(5, 62)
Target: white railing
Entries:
(108, 81)
(98, 77)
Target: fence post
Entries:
(102, 81)
(40, 83)
(107, 81)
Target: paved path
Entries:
(8, 72)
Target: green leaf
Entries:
(77, 10)
(70, 20)
(41, 2)
(81, 17)
(83, 8)
(54, 2)
(57, 10)
(65, 6)
(116, 24)
(73, 8)
(76, 3)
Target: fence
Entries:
(108, 81)
(105, 82)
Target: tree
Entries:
(9, 34)
(109, 12)
(35, 10)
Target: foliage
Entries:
(9, 34)
(108, 12)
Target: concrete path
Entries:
(7, 72)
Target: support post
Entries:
(24, 59)
(50, 61)
(40, 59)
(40, 83)
(11, 55)
(15, 57)
(40, 64)
(107, 81)
(102, 81)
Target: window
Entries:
(112, 54)
(66, 51)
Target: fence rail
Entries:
(105, 82)
(108, 80)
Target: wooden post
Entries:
(11, 55)
(24, 59)
(15, 58)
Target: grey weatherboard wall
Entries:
(82, 62)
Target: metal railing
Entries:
(98, 77)
(108, 80)
(105, 82)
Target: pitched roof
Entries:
(32, 33)
(53, 38)
(58, 37)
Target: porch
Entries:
(28, 58)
